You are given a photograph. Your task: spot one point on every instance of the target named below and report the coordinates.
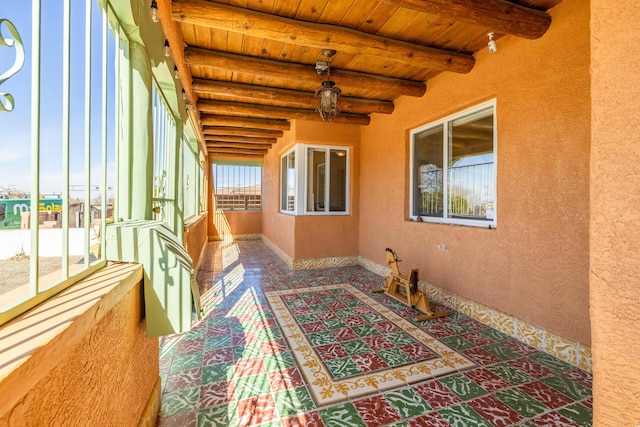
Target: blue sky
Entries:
(15, 126)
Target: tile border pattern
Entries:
(331, 262)
(568, 350)
(310, 263)
(255, 236)
(325, 389)
(571, 351)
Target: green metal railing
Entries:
(96, 115)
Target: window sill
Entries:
(491, 225)
(32, 343)
(194, 219)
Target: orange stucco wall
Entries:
(277, 227)
(195, 237)
(317, 236)
(211, 208)
(244, 222)
(535, 264)
(615, 217)
(104, 377)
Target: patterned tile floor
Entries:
(315, 348)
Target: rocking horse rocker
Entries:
(405, 289)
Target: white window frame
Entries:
(301, 180)
(296, 181)
(485, 223)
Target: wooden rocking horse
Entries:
(405, 289)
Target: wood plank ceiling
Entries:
(248, 66)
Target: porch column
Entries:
(211, 201)
(615, 211)
(135, 149)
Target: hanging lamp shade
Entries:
(328, 106)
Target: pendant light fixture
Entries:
(328, 93)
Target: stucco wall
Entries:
(195, 237)
(317, 236)
(211, 207)
(244, 222)
(277, 227)
(534, 266)
(615, 216)
(92, 373)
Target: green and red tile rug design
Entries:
(271, 347)
(349, 345)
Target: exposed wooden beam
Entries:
(267, 111)
(173, 33)
(234, 151)
(236, 138)
(217, 155)
(222, 144)
(286, 97)
(498, 15)
(262, 25)
(299, 72)
(251, 122)
(228, 130)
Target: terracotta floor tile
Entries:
(552, 419)
(219, 355)
(432, 419)
(247, 367)
(273, 346)
(215, 394)
(376, 411)
(481, 356)
(331, 351)
(256, 410)
(184, 379)
(284, 379)
(487, 379)
(369, 362)
(309, 419)
(532, 368)
(436, 394)
(494, 411)
(545, 394)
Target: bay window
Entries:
(317, 185)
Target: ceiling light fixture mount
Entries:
(493, 47)
(328, 93)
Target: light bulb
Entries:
(154, 11)
(167, 52)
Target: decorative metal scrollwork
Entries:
(6, 99)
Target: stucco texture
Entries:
(244, 222)
(312, 236)
(104, 380)
(195, 238)
(615, 216)
(534, 266)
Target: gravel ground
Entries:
(14, 272)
